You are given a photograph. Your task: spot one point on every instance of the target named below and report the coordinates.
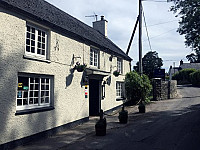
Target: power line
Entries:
(155, 1)
(162, 23)
(146, 30)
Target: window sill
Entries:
(36, 58)
(35, 110)
(120, 99)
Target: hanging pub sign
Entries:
(159, 73)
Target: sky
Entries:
(161, 26)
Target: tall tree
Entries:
(150, 62)
(189, 25)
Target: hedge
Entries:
(183, 76)
(195, 78)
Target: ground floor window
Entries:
(34, 91)
(120, 91)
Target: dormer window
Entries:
(94, 57)
(36, 41)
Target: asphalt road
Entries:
(167, 125)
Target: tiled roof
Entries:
(190, 65)
(59, 20)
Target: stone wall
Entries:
(163, 90)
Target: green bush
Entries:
(137, 87)
(195, 78)
(183, 76)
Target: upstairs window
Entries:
(119, 65)
(36, 41)
(94, 57)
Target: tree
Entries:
(137, 87)
(150, 62)
(189, 25)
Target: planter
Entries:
(80, 69)
(123, 116)
(116, 73)
(142, 108)
(100, 127)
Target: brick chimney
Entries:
(101, 26)
(181, 62)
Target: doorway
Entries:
(94, 97)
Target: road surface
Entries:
(167, 125)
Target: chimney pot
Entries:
(101, 26)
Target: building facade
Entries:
(40, 87)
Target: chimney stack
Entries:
(101, 26)
(181, 62)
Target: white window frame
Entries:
(120, 90)
(45, 87)
(35, 43)
(94, 57)
(119, 65)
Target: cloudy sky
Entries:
(121, 16)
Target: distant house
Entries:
(41, 90)
(183, 65)
(189, 65)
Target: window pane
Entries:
(31, 93)
(43, 52)
(39, 32)
(31, 101)
(32, 43)
(33, 36)
(43, 34)
(19, 102)
(33, 30)
(22, 81)
(36, 94)
(39, 38)
(36, 80)
(25, 102)
(42, 100)
(43, 87)
(35, 100)
(43, 40)
(28, 28)
(28, 35)
(32, 50)
(47, 100)
(43, 46)
(19, 94)
(25, 94)
(28, 48)
(38, 51)
(28, 42)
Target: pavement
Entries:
(70, 136)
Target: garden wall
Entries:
(163, 90)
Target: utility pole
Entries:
(140, 37)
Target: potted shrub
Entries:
(100, 126)
(123, 115)
(116, 73)
(141, 107)
(79, 67)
